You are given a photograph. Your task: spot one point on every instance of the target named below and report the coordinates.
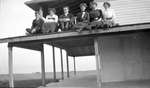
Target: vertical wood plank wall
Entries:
(125, 58)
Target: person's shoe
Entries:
(79, 30)
(27, 33)
(117, 25)
(28, 30)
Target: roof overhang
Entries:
(36, 4)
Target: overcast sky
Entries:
(15, 16)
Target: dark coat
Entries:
(37, 24)
(69, 16)
(85, 18)
(66, 25)
(95, 15)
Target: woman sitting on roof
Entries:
(109, 15)
(66, 20)
(96, 16)
(51, 22)
(82, 18)
(36, 25)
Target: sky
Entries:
(15, 17)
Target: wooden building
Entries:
(122, 53)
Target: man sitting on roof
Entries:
(66, 19)
(36, 25)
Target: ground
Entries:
(26, 80)
(32, 80)
(86, 79)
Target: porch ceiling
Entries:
(58, 4)
(35, 4)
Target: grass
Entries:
(26, 80)
(33, 80)
(33, 83)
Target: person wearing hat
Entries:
(51, 22)
(66, 19)
(96, 16)
(82, 19)
(36, 25)
(109, 15)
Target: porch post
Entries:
(67, 65)
(62, 68)
(74, 65)
(43, 65)
(10, 65)
(98, 62)
(54, 67)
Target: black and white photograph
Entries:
(74, 44)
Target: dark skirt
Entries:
(65, 26)
(96, 24)
(109, 23)
(81, 26)
(49, 27)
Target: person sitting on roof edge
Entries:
(51, 22)
(82, 19)
(36, 25)
(66, 20)
(96, 16)
(109, 15)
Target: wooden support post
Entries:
(54, 67)
(43, 66)
(74, 65)
(98, 63)
(67, 65)
(10, 65)
(62, 68)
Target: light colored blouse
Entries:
(109, 14)
(51, 18)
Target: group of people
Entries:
(84, 20)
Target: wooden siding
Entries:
(130, 11)
(127, 11)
